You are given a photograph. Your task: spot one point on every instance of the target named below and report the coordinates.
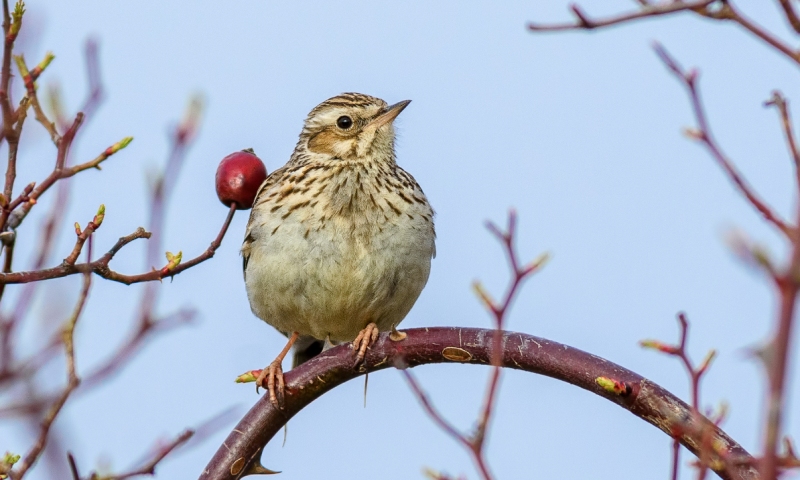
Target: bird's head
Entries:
(352, 127)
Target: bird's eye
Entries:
(344, 122)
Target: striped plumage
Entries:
(340, 237)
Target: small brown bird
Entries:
(340, 239)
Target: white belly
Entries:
(334, 281)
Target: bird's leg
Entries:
(396, 335)
(274, 374)
(365, 338)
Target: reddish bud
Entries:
(249, 376)
(239, 176)
(614, 386)
(661, 347)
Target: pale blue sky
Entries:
(579, 131)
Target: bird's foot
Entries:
(273, 377)
(365, 338)
(397, 335)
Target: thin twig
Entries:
(695, 374)
(787, 283)
(791, 15)
(703, 134)
(58, 173)
(499, 312)
(72, 378)
(5, 78)
(61, 172)
(7, 327)
(85, 234)
(29, 79)
(96, 91)
(100, 266)
(583, 22)
(728, 12)
(73, 467)
(780, 102)
(432, 412)
(149, 468)
(8, 261)
(721, 10)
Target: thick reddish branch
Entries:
(240, 453)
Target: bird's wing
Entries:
(249, 234)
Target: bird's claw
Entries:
(273, 375)
(365, 338)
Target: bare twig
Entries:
(100, 266)
(703, 134)
(787, 283)
(12, 121)
(722, 10)
(149, 467)
(583, 22)
(29, 78)
(439, 419)
(59, 172)
(96, 91)
(499, 311)
(72, 378)
(73, 467)
(84, 234)
(791, 14)
(5, 75)
(780, 102)
(8, 260)
(26, 297)
(695, 375)
(728, 12)
(52, 221)
(125, 352)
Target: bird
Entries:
(339, 242)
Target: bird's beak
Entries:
(389, 115)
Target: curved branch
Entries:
(239, 454)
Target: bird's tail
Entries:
(305, 349)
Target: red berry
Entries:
(238, 177)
